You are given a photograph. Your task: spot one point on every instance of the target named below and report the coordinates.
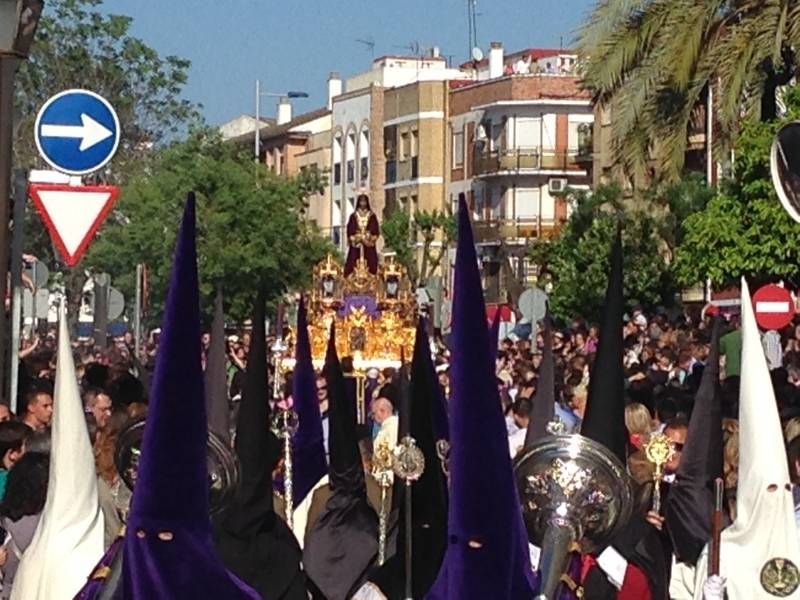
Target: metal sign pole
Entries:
(20, 202)
(137, 312)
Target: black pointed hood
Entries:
(251, 539)
(429, 493)
(216, 376)
(604, 419)
(545, 398)
(345, 468)
(343, 543)
(691, 498)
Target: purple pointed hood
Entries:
(487, 554)
(309, 447)
(168, 549)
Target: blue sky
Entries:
(294, 44)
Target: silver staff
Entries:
(382, 460)
(409, 465)
(284, 425)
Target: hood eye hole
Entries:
(140, 534)
(772, 487)
(165, 536)
(475, 543)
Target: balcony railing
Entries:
(495, 230)
(527, 159)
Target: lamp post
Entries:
(18, 22)
(259, 95)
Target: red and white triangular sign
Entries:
(73, 214)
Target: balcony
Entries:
(528, 160)
(494, 231)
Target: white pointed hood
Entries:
(69, 539)
(760, 552)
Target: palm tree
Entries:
(650, 62)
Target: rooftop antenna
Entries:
(369, 44)
(472, 25)
(415, 48)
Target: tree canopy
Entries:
(651, 63)
(578, 258)
(402, 233)
(251, 231)
(744, 230)
(76, 46)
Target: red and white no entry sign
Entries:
(773, 306)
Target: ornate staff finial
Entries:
(382, 472)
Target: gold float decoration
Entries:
(375, 315)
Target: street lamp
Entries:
(259, 94)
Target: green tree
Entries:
(250, 226)
(78, 47)
(650, 62)
(744, 230)
(578, 258)
(402, 234)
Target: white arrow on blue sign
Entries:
(77, 131)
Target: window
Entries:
(527, 204)
(391, 171)
(364, 168)
(337, 173)
(458, 149)
(414, 167)
(573, 136)
(351, 170)
(528, 133)
(414, 143)
(413, 207)
(405, 145)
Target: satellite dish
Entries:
(477, 54)
(784, 165)
(116, 304)
(532, 304)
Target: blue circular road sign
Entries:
(77, 132)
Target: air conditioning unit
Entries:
(557, 185)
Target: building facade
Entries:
(388, 138)
(520, 137)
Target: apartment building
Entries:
(399, 97)
(521, 134)
(415, 146)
